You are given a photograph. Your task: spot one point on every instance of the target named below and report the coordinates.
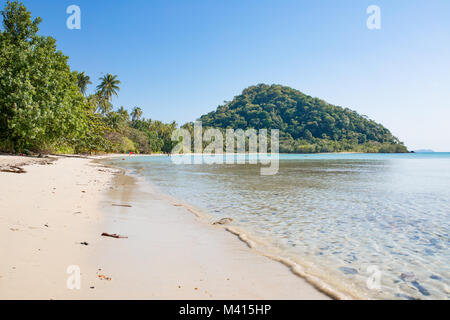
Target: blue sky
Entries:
(180, 59)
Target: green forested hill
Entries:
(306, 124)
(44, 107)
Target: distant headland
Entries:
(306, 124)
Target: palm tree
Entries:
(109, 86)
(93, 102)
(83, 81)
(122, 110)
(123, 113)
(136, 114)
(103, 105)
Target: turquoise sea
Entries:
(375, 225)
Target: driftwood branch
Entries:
(116, 236)
(12, 169)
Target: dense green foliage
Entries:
(306, 124)
(40, 103)
(44, 107)
(43, 104)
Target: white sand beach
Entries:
(52, 217)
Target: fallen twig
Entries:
(12, 169)
(113, 236)
(122, 205)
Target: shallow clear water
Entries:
(354, 217)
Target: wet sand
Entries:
(170, 253)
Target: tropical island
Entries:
(306, 124)
(44, 108)
(81, 220)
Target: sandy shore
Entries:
(50, 213)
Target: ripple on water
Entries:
(343, 215)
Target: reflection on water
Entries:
(346, 214)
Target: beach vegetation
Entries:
(46, 107)
(306, 124)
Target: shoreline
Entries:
(168, 254)
(218, 249)
(254, 244)
(356, 286)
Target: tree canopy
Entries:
(306, 124)
(83, 82)
(45, 107)
(40, 102)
